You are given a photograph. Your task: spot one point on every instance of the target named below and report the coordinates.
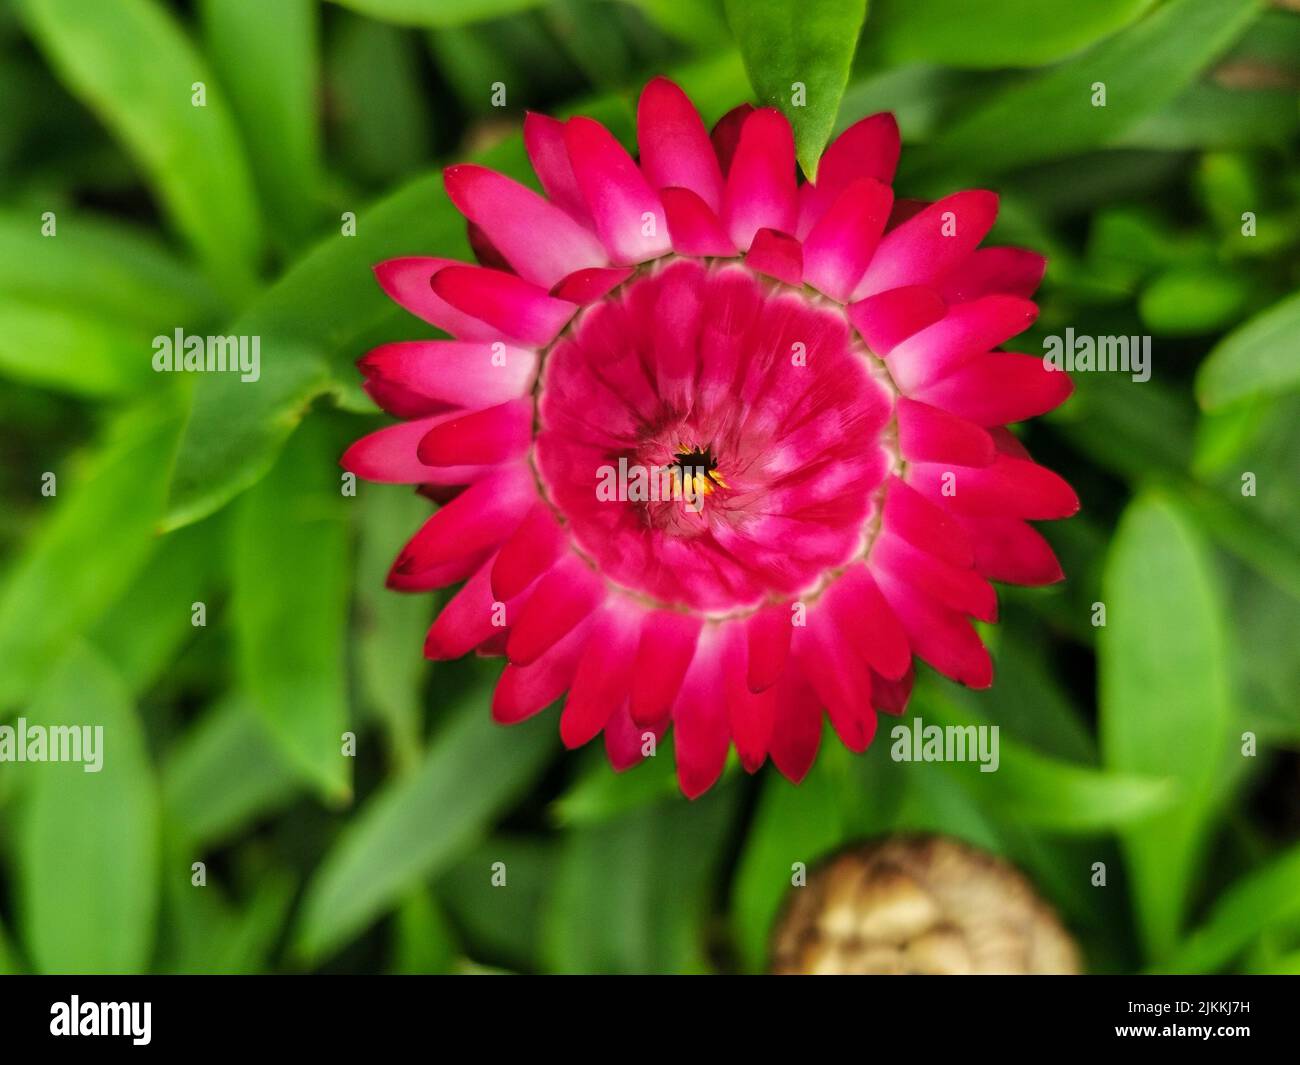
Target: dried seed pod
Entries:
(917, 905)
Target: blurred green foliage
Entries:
(1172, 211)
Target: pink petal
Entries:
(867, 149)
(542, 242)
(841, 244)
(628, 215)
(469, 618)
(389, 456)
(663, 655)
(1009, 550)
(530, 552)
(544, 142)
(452, 571)
(864, 617)
(524, 690)
(701, 736)
(840, 678)
(566, 596)
(456, 372)
(725, 136)
(967, 330)
(776, 255)
(926, 247)
(408, 281)
(625, 740)
(1010, 487)
(482, 516)
(675, 147)
(926, 434)
(886, 320)
(760, 191)
(1013, 271)
(693, 226)
(1000, 388)
(750, 713)
(484, 437)
(769, 643)
(940, 636)
(600, 684)
(958, 589)
(588, 286)
(924, 524)
(515, 307)
(796, 726)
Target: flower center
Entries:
(714, 440)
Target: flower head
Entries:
(716, 450)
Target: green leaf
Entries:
(106, 270)
(631, 895)
(437, 13)
(419, 823)
(55, 345)
(382, 115)
(1266, 897)
(792, 824)
(1051, 113)
(1194, 299)
(1033, 789)
(266, 57)
(1259, 358)
(98, 537)
(1164, 700)
(598, 794)
(290, 607)
(390, 626)
(204, 801)
(144, 630)
(88, 841)
(424, 942)
(501, 926)
(809, 43)
(991, 33)
(132, 64)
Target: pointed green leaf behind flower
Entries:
(798, 58)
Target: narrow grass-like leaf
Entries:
(437, 13)
(1164, 700)
(290, 607)
(266, 57)
(1059, 112)
(99, 534)
(203, 800)
(631, 894)
(1266, 897)
(990, 33)
(390, 627)
(417, 824)
(791, 825)
(191, 154)
(88, 841)
(142, 632)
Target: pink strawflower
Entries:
(817, 362)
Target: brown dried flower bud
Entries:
(919, 904)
